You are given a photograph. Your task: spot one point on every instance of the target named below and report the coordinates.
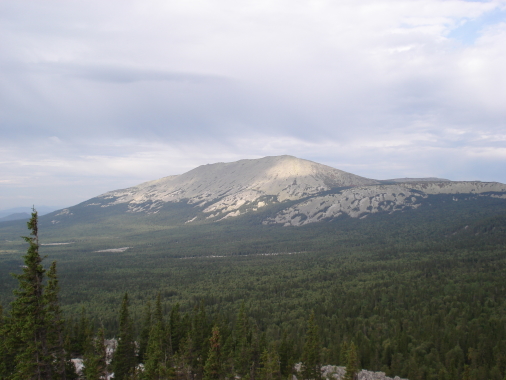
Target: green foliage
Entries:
(352, 363)
(80, 333)
(95, 358)
(200, 331)
(4, 356)
(242, 334)
(184, 358)
(269, 365)
(55, 325)
(311, 356)
(124, 360)
(415, 291)
(213, 369)
(176, 328)
(286, 356)
(145, 330)
(32, 338)
(158, 364)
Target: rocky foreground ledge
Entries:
(332, 372)
(329, 372)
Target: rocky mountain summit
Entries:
(312, 192)
(225, 187)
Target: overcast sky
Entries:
(101, 95)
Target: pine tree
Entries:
(156, 363)
(269, 365)
(311, 356)
(95, 358)
(200, 339)
(70, 369)
(82, 333)
(286, 361)
(55, 338)
(124, 360)
(175, 328)
(352, 363)
(184, 358)
(257, 346)
(213, 368)
(467, 373)
(27, 339)
(146, 329)
(242, 335)
(343, 353)
(158, 314)
(4, 358)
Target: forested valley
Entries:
(421, 297)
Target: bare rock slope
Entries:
(225, 190)
(361, 201)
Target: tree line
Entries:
(430, 311)
(37, 343)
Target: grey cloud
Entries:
(382, 93)
(118, 74)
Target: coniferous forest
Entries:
(417, 298)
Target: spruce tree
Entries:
(269, 365)
(200, 339)
(184, 358)
(55, 338)
(343, 353)
(124, 361)
(30, 321)
(213, 368)
(145, 330)
(311, 356)
(82, 333)
(4, 358)
(286, 361)
(157, 363)
(175, 328)
(95, 358)
(242, 335)
(352, 363)
(70, 369)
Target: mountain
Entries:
(362, 201)
(311, 192)
(15, 216)
(41, 210)
(411, 270)
(428, 179)
(227, 186)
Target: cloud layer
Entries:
(96, 96)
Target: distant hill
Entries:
(428, 179)
(15, 216)
(281, 189)
(41, 210)
(411, 270)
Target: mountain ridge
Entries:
(314, 192)
(15, 216)
(235, 183)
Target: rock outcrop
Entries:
(222, 188)
(332, 372)
(361, 201)
(313, 192)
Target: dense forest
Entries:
(421, 296)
